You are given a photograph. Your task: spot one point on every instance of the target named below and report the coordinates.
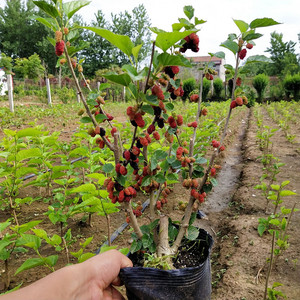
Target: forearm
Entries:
(59, 285)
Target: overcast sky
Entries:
(219, 15)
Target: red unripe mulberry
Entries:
(113, 131)
(239, 101)
(158, 205)
(194, 98)
(156, 135)
(121, 196)
(215, 143)
(58, 36)
(222, 148)
(118, 167)
(233, 104)
(249, 46)
(151, 128)
(213, 172)
(126, 155)
(157, 91)
(59, 48)
(242, 53)
(123, 170)
(179, 120)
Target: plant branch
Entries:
(133, 220)
(149, 72)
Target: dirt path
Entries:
(239, 252)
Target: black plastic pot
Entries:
(187, 283)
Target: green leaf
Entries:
(146, 180)
(27, 226)
(275, 187)
(124, 251)
(122, 79)
(136, 246)
(30, 241)
(243, 26)
(152, 99)
(189, 11)
(84, 188)
(47, 8)
(160, 154)
(261, 229)
(231, 45)
(166, 59)
(146, 240)
(107, 168)
(136, 50)
(258, 58)
(46, 22)
(252, 36)
(29, 264)
(71, 7)
(100, 118)
(160, 178)
(214, 182)
(4, 225)
(172, 178)
(122, 42)
(192, 233)
(177, 26)
(24, 171)
(148, 109)
(86, 242)
(134, 75)
(219, 54)
(86, 120)
(165, 40)
(51, 260)
(85, 257)
(284, 183)
(29, 132)
(284, 193)
(263, 22)
(198, 21)
(169, 106)
(28, 153)
(172, 232)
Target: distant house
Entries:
(218, 64)
(3, 82)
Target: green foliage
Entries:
(218, 87)
(206, 88)
(260, 83)
(188, 86)
(278, 51)
(291, 85)
(6, 63)
(30, 68)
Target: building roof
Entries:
(197, 59)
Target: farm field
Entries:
(232, 208)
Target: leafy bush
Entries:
(188, 86)
(206, 88)
(260, 83)
(218, 87)
(291, 85)
(276, 92)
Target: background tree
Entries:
(136, 26)
(6, 63)
(21, 35)
(99, 53)
(282, 53)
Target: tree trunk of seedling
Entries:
(270, 266)
(108, 229)
(61, 230)
(7, 275)
(67, 249)
(13, 210)
(90, 220)
(59, 77)
(83, 175)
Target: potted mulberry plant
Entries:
(156, 156)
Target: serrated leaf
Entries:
(46, 22)
(230, 45)
(177, 26)
(28, 153)
(29, 132)
(192, 233)
(275, 187)
(199, 21)
(122, 79)
(252, 36)
(107, 168)
(85, 256)
(136, 50)
(84, 188)
(51, 260)
(122, 42)
(258, 58)
(284, 183)
(148, 109)
(166, 59)
(152, 99)
(165, 40)
(243, 26)
(284, 193)
(29, 264)
(100, 118)
(4, 225)
(146, 180)
(263, 22)
(136, 246)
(27, 226)
(86, 120)
(189, 11)
(47, 8)
(261, 229)
(71, 7)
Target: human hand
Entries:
(91, 280)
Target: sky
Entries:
(219, 15)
